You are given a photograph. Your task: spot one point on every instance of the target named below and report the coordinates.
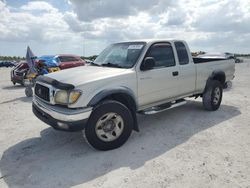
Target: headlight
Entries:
(61, 97)
(67, 97)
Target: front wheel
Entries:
(212, 96)
(109, 126)
(28, 91)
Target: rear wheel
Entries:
(109, 126)
(212, 96)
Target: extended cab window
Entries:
(163, 55)
(182, 53)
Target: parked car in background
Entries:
(7, 64)
(18, 72)
(88, 61)
(69, 61)
(238, 60)
(229, 55)
(64, 61)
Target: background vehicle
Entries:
(69, 61)
(18, 72)
(88, 61)
(7, 64)
(63, 61)
(40, 68)
(239, 60)
(144, 77)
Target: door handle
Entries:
(146, 78)
(176, 73)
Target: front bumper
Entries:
(61, 118)
(16, 78)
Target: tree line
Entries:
(11, 58)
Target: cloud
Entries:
(206, 25)
(24, 25)
(114, 30)
(47, 30)
(224, 16)
(173, 17)
(76, 25)
(88, 10)
(38, 6)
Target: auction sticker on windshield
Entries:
(135, 47)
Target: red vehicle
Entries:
(18, 72)
(64, 61)
(69, 61)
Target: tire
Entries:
(14, 83)
(28, 91)
(212, 96)
(109, 126)
(22, 82)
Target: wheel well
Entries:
(219, 76)
(125, 99)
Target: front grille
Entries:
(42, 92)
(18, 73)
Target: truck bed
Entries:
(206, 66)
(206, 60)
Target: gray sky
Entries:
(85, 27)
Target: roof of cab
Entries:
(149, 41)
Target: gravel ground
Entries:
(182, 147)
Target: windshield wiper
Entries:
(111, 65)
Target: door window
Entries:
(163, 55)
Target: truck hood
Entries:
(85, 74)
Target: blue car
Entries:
(49, 60)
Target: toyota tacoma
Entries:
(102, 99)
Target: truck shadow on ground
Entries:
(23, 99)
(16, 87)
(229, 87)
(58, 159)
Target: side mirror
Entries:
(148, 63)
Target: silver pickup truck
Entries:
(127, 78)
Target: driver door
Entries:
(161, 82)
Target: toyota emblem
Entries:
(39, 91)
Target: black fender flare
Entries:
(124, 91)
(216, 75)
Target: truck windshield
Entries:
(120, 55)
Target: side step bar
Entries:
(163, 107)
